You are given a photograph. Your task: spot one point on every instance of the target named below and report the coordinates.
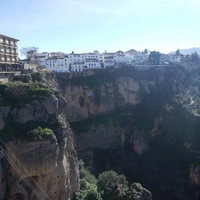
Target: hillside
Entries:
(188, 51)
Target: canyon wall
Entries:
(142, 123)
(36, 166)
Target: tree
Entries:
(146, 51)
(154, 57)
(194, 57)
(112, 186)
(177, 53)
(136, 191)
(29, 52)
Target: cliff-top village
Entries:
(72, 62)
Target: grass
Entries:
(18, 94)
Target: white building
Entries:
(134, 57)
(109, 59)
(120, 57)
(41, 58)
(76, 62)
(170, 58)
(174, 58)
(140, 58)
(92, 60)
(58, 64)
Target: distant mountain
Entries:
(188, 51)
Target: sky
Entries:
(111, 25)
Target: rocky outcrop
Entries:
(99, 136)
(140, 143)
(36, 171)
(195, 175)
(46, 169)
(4, 111)
(84, 101)
(2, 175)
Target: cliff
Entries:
(144, 124)
(102, 91)
(38, 160)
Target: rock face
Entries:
(4, 111)
(99, 137)
(41, 170)
(37, 171)
(85, 101)
(140, 143)
(144, 124)
(44, 169)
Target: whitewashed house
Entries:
(120, 57)
(92, 60)
(174, 58)
(76, 62)
(170, 58)
(140, 58)
(109, 59)
(58, 64)
(134, 57)
(130, 56)
(41, 58)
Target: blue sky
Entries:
(88, 25)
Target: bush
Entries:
(112, 186)
(17, 94)
(40, 134)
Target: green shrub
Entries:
(40, 134)
(112, 186)
(17, 94)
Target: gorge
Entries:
(141, 123)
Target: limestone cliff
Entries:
(144, 124)
(35, 168)
(100, 93)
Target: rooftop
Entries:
(7, 37)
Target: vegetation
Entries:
(116, 119)
(154, 57)
(109, 186)
(112, 186)
(40, 134)
(18, 94)
(194, 57)
(28, 52)
(88, 188)
(30, 131)
(177, 53)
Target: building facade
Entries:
(170, 58)
(92, 60)
(109, 59)
(58, 64)
(41, 58)
(8, 53)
